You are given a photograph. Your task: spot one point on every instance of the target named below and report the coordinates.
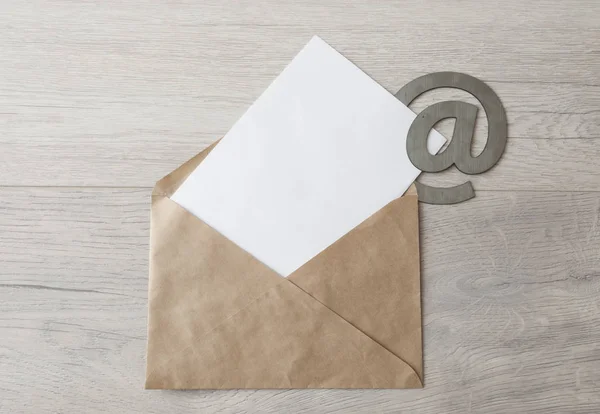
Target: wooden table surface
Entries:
(99, 99)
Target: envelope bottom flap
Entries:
(284, 339)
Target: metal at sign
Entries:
(459, 151)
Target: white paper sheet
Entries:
(321, 150)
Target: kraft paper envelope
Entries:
(220, 319)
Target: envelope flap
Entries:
(198, 278)
(284, 339)
(167, 185)
(371, 278)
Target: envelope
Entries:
(220, 319)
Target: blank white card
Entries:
(321, 150)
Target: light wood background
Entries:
(99, 99)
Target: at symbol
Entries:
(459, 151)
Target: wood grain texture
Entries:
(99, 99)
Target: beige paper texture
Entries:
(220, 319)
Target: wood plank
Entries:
(390, 40)
(511, 285)
(36, 116)
(527, 165)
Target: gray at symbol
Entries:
(459, 151)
